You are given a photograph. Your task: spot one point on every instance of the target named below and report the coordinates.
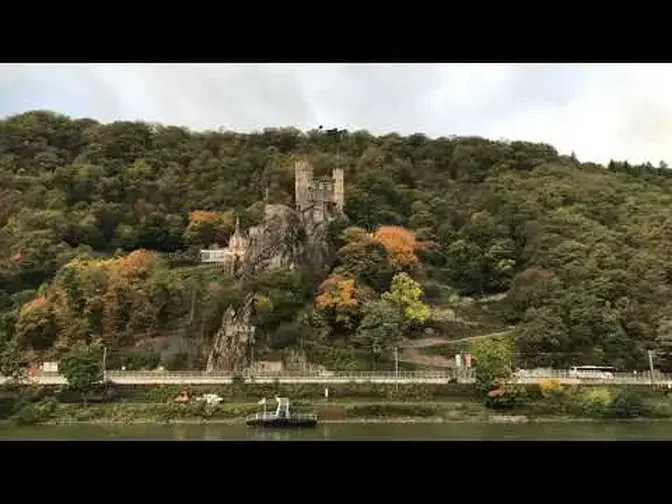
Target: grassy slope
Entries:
(454, 322)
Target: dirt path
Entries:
(412, 354)
(425, 342)
(431, 342)
(482, 336)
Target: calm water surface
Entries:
(345, 431)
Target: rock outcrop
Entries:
(278, 241)
(233, 339)
(285, 238)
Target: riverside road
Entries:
(401, 377)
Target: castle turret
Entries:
(339, 189)
(237, 242)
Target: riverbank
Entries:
(347, 403)
(51, 413)
(492, 420)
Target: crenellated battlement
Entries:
(311, 192)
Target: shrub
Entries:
(589, 402)
(391, 410)
(176, 362)
(550, 388)
(135, 359)
(628, 403)
(243, 392)
(27, 413)
(506, 397)
(659, 409)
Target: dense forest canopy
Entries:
(100, 225)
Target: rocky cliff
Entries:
(279, 240)
(285, 238)
(233, 340)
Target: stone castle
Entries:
(286, 237)
(316, 201)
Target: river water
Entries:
(348, 431)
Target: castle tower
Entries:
(237, 249)
(237, 240)
(303, 175)
(339, 189)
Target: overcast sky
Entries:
(598, 111)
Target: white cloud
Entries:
(599, 111)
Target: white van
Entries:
(592, 372)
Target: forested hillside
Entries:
(100, 227)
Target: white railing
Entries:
(187, 377)
(566, 376)
(458, 375)
(213, 255)
(291, 374)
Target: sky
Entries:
(600, 112)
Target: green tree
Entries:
(493, 360)
(380, 329)
(12, 365)
(627, 403)
(664, 341)
(542, 339)
(365, 259)
(82, 367)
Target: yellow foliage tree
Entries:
(36, 327)
(549, 387)
(128, 309)
(206, 228)
(405, 293)
(263, 304)
(135, 266)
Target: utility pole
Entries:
(193, 304)
(396, 368)
(104, 364)
(651, 365)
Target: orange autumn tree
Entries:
(338, 300)
(400, 243)
(113, 299)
